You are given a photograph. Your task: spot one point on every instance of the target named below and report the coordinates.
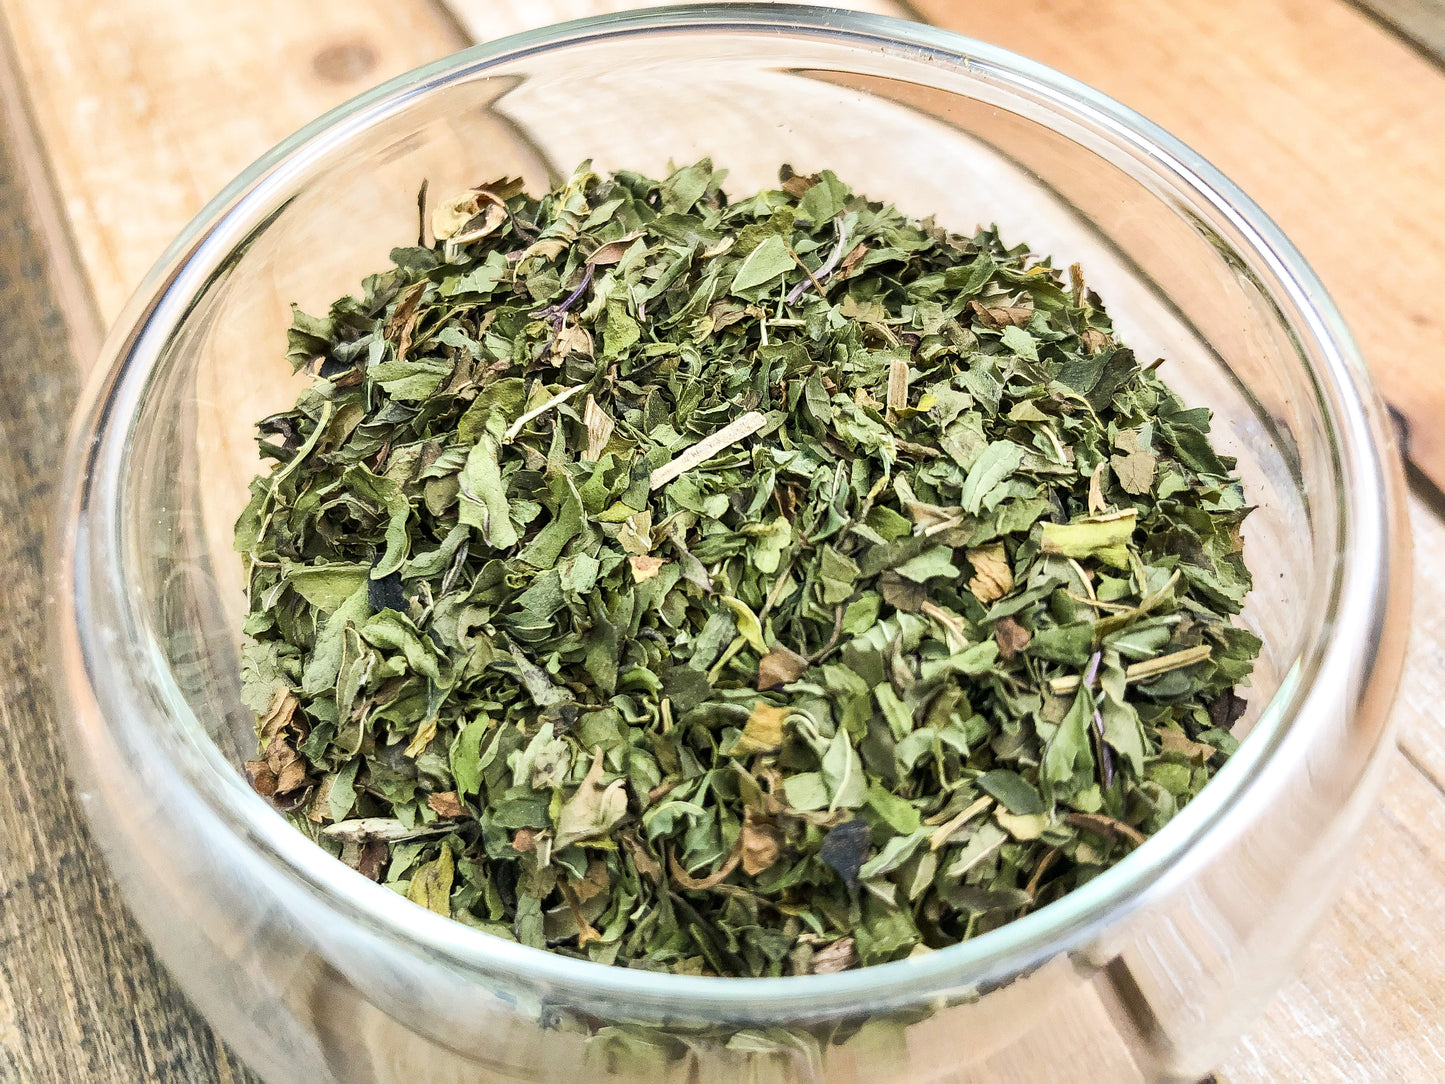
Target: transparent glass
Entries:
(315, 974)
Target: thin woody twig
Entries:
(708, 447)
(556, 400)
(1140, 670)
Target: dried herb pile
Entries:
(751, 588)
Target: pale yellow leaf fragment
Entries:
(422, 739)
(945, 832)
(1142, 671)
(1097, 503)
(749, 627)
(763, 731)
(431, 886)
(488, 200)
(644, 568)
(593, 810)
(992, 576)
(599, 428)
(635, 537)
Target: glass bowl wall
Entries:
(317, 975)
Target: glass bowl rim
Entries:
(134, 350)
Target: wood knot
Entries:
(344, 62)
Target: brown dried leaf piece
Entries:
(288, 769)
(797, 184)
(1011, 636)
(762, 842)
(712, 880)
(446, 805)
(992, 576)
(612, 251)
(902, 594)
(644, 568)
(263, 779)
(642, 858)
(780, 666)
(403, 320)
(594, 882)
(1097, 503)
(488, 200)
(572, 338)
(850, 261)
(997, 317)
(372, 859)
(1174, 741)
(277, 716)
(841, 955)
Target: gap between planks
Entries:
(1420, 22)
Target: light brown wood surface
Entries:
(144, 108)
(147, 108)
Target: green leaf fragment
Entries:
(1105, 538)
(770, 260)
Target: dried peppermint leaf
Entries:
(646, 573)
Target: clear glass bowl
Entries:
(315, 974)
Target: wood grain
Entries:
(146, 107)
(1367, 1005)
(1422, 691)
(143, 111)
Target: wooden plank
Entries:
(144, 111)
(1367, 1005)
(1422, 688)
(148, 108)
(36, 196)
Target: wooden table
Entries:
(118, 120)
